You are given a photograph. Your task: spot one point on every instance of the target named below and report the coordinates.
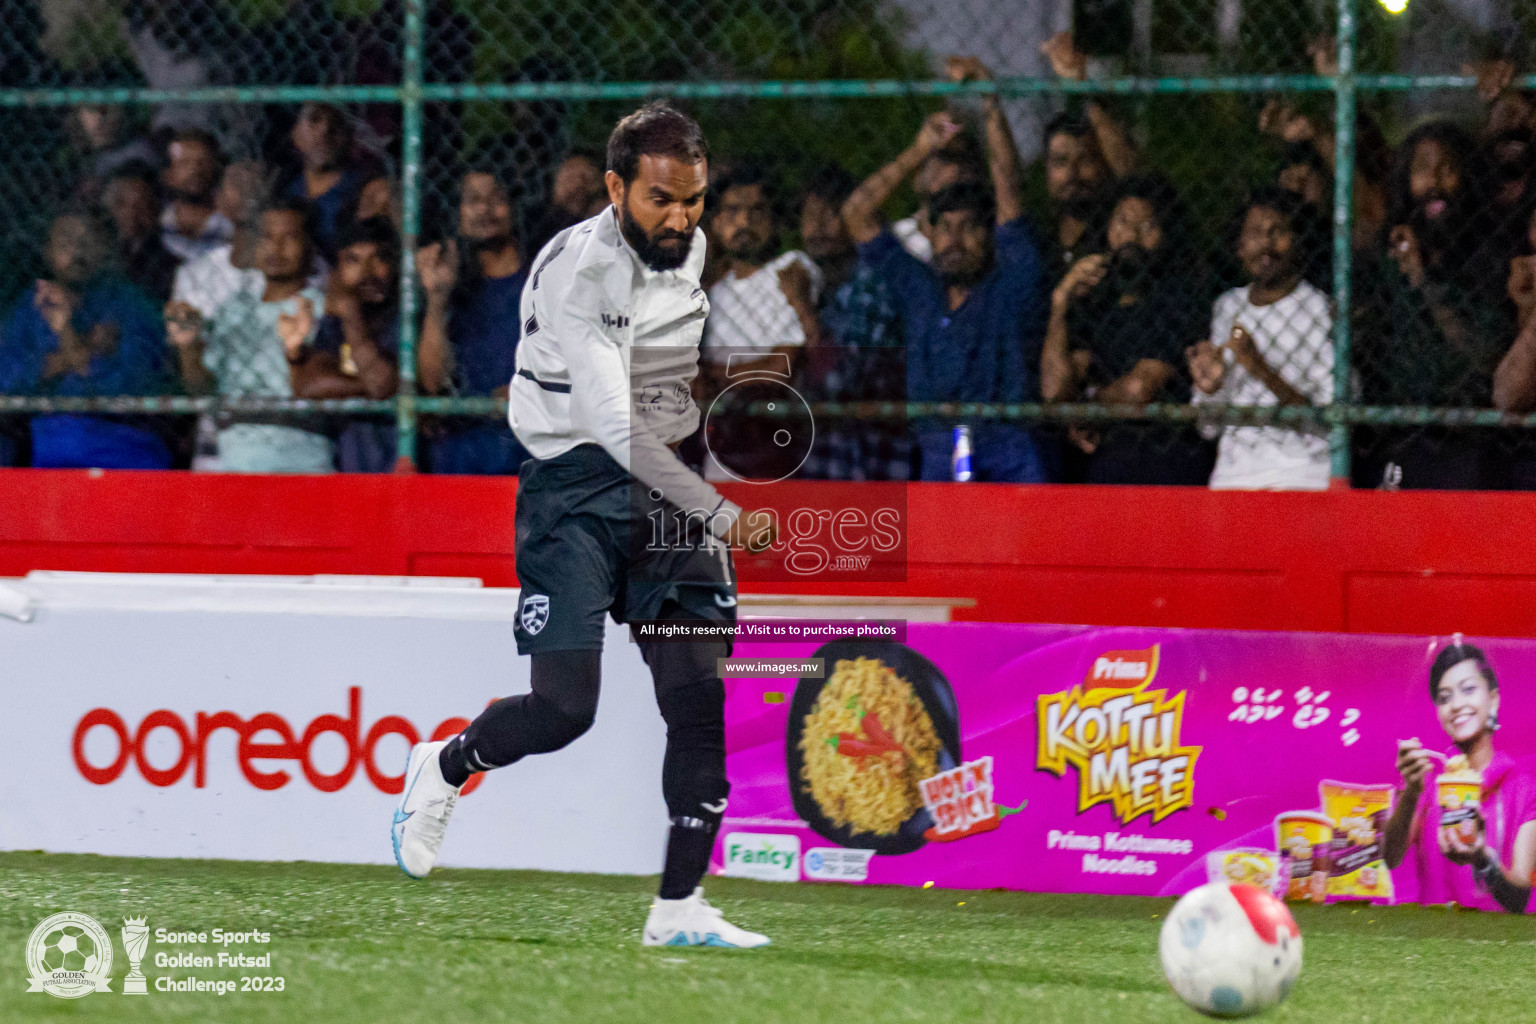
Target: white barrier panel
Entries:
(263, 719)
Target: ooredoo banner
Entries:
(1140, 761)
(269, 720)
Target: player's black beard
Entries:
(649, 247)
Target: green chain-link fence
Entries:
(1421, 378)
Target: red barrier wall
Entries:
(1362, 561)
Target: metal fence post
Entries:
(1344, 88)
(410, 216)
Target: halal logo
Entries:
(69, 956)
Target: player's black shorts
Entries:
(591, 540)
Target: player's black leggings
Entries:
(561, 708)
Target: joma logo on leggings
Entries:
(264, 737)
(764, 856)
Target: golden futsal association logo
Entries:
(69, 956)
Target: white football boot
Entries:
(693, 922)
(426, 804)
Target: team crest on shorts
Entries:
(535, 613)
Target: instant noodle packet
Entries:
(1305, 839)
(1460, 792)
(1246, 866)
(1357, 865)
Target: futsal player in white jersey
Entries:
(609, 520)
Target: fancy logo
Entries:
(1122, 736)
(763, 856)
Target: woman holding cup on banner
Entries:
(1465, 820)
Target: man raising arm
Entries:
(973, 319)
(861, 210)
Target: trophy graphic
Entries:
(135, 941)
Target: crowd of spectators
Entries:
(1111, 293)
(173, 267)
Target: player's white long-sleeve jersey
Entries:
(608, 349)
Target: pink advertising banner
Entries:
(1137, 761)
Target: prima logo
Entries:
(764, 856)
(1116, 665)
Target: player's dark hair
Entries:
(1453, 654)
(371, 231)
(970, 196)
(656, 129)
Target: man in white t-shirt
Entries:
(765, 304)
(1270, 344)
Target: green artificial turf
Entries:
(366, 944)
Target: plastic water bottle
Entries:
(205, 457)
(960, 461)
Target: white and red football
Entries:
(1230, 950)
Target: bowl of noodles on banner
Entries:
(860, 740)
